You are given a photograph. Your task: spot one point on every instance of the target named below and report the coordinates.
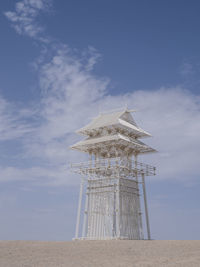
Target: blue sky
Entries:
(64, 61)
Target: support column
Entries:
(85, 215)
(79, 209)
(118, 201)
(146, 208)
(138, 201)
(95, 211)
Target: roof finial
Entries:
(132, 110)
(128, 110)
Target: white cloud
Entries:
(35, 175)
(13, 121)
(23, 19)
(186, 69)
(72, 94)
(67, 84)
(172, 115)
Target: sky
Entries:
(63, 62)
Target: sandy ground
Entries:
(99, 253)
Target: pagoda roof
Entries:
(112, 140)
(120, 119)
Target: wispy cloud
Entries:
(72, 94)
(186, 69)
(13, 121)
(23, 19)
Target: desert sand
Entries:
(119, 253)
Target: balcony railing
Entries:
(113, 168)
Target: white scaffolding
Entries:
(112, 207)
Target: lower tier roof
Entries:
(112, 144)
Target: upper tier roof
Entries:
(120, 119)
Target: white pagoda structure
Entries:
(112, 178)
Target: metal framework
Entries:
(112, 176)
